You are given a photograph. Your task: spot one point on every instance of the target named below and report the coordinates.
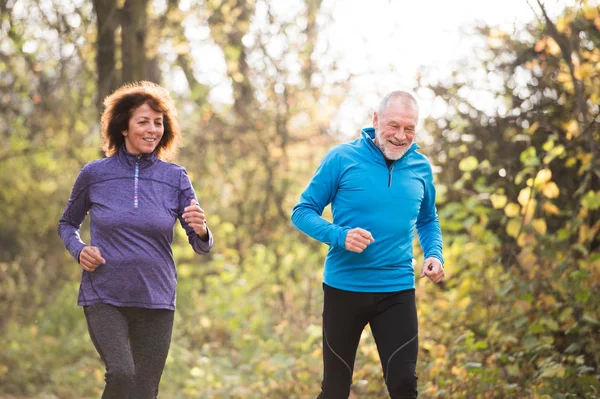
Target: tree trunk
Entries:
(106, 12)
(133, 38)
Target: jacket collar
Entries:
(129, 159)
(368, 137)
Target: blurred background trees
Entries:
(518, 184)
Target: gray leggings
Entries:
(133, 344)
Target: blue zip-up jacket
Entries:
(133, 202)
(388, 202)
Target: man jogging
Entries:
(380, 189)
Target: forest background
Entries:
(518, 197)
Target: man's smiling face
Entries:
(395, 128)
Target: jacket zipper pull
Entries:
(390, 179)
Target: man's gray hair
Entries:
(405, 96)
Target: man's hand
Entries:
(90, 258)
(432, 268)
(357, 240)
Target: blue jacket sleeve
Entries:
(428, 224)
(69, 225)
(320, 192)
(186, 195)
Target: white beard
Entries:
(389, 154)
(394, 155)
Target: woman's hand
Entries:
(195, 217)
(90, 258)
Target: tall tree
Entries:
(106, 25)
(134, 24)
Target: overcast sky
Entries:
(383, 42)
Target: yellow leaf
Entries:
(572, 128)
(468, 164)
(534, 127)
(527, 259)
(561, 23)
(551, 208)
(584, 71)
(584, 233)
(524, 196)
(548, 145)
(543, 176)
(498, 200)
(563, 77)
(586, 160)
(539, 225)
(552, 46)
(540, 45)
(526, 240)
(548, 300)
(551, 190)
(590, 13)
(513, 227)
(553, 371)
(512, 209)
(529, 211)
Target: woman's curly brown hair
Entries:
(119, 107)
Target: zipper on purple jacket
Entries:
(135, 181)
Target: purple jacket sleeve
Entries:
(77, 208)
(186, 194)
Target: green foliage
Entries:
(519, 203)
(524, 285)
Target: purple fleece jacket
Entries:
(133, 202)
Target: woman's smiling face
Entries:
(144, 131)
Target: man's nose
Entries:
(400, 133)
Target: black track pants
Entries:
(133, 343)
(393, 320)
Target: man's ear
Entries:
(375, 119)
